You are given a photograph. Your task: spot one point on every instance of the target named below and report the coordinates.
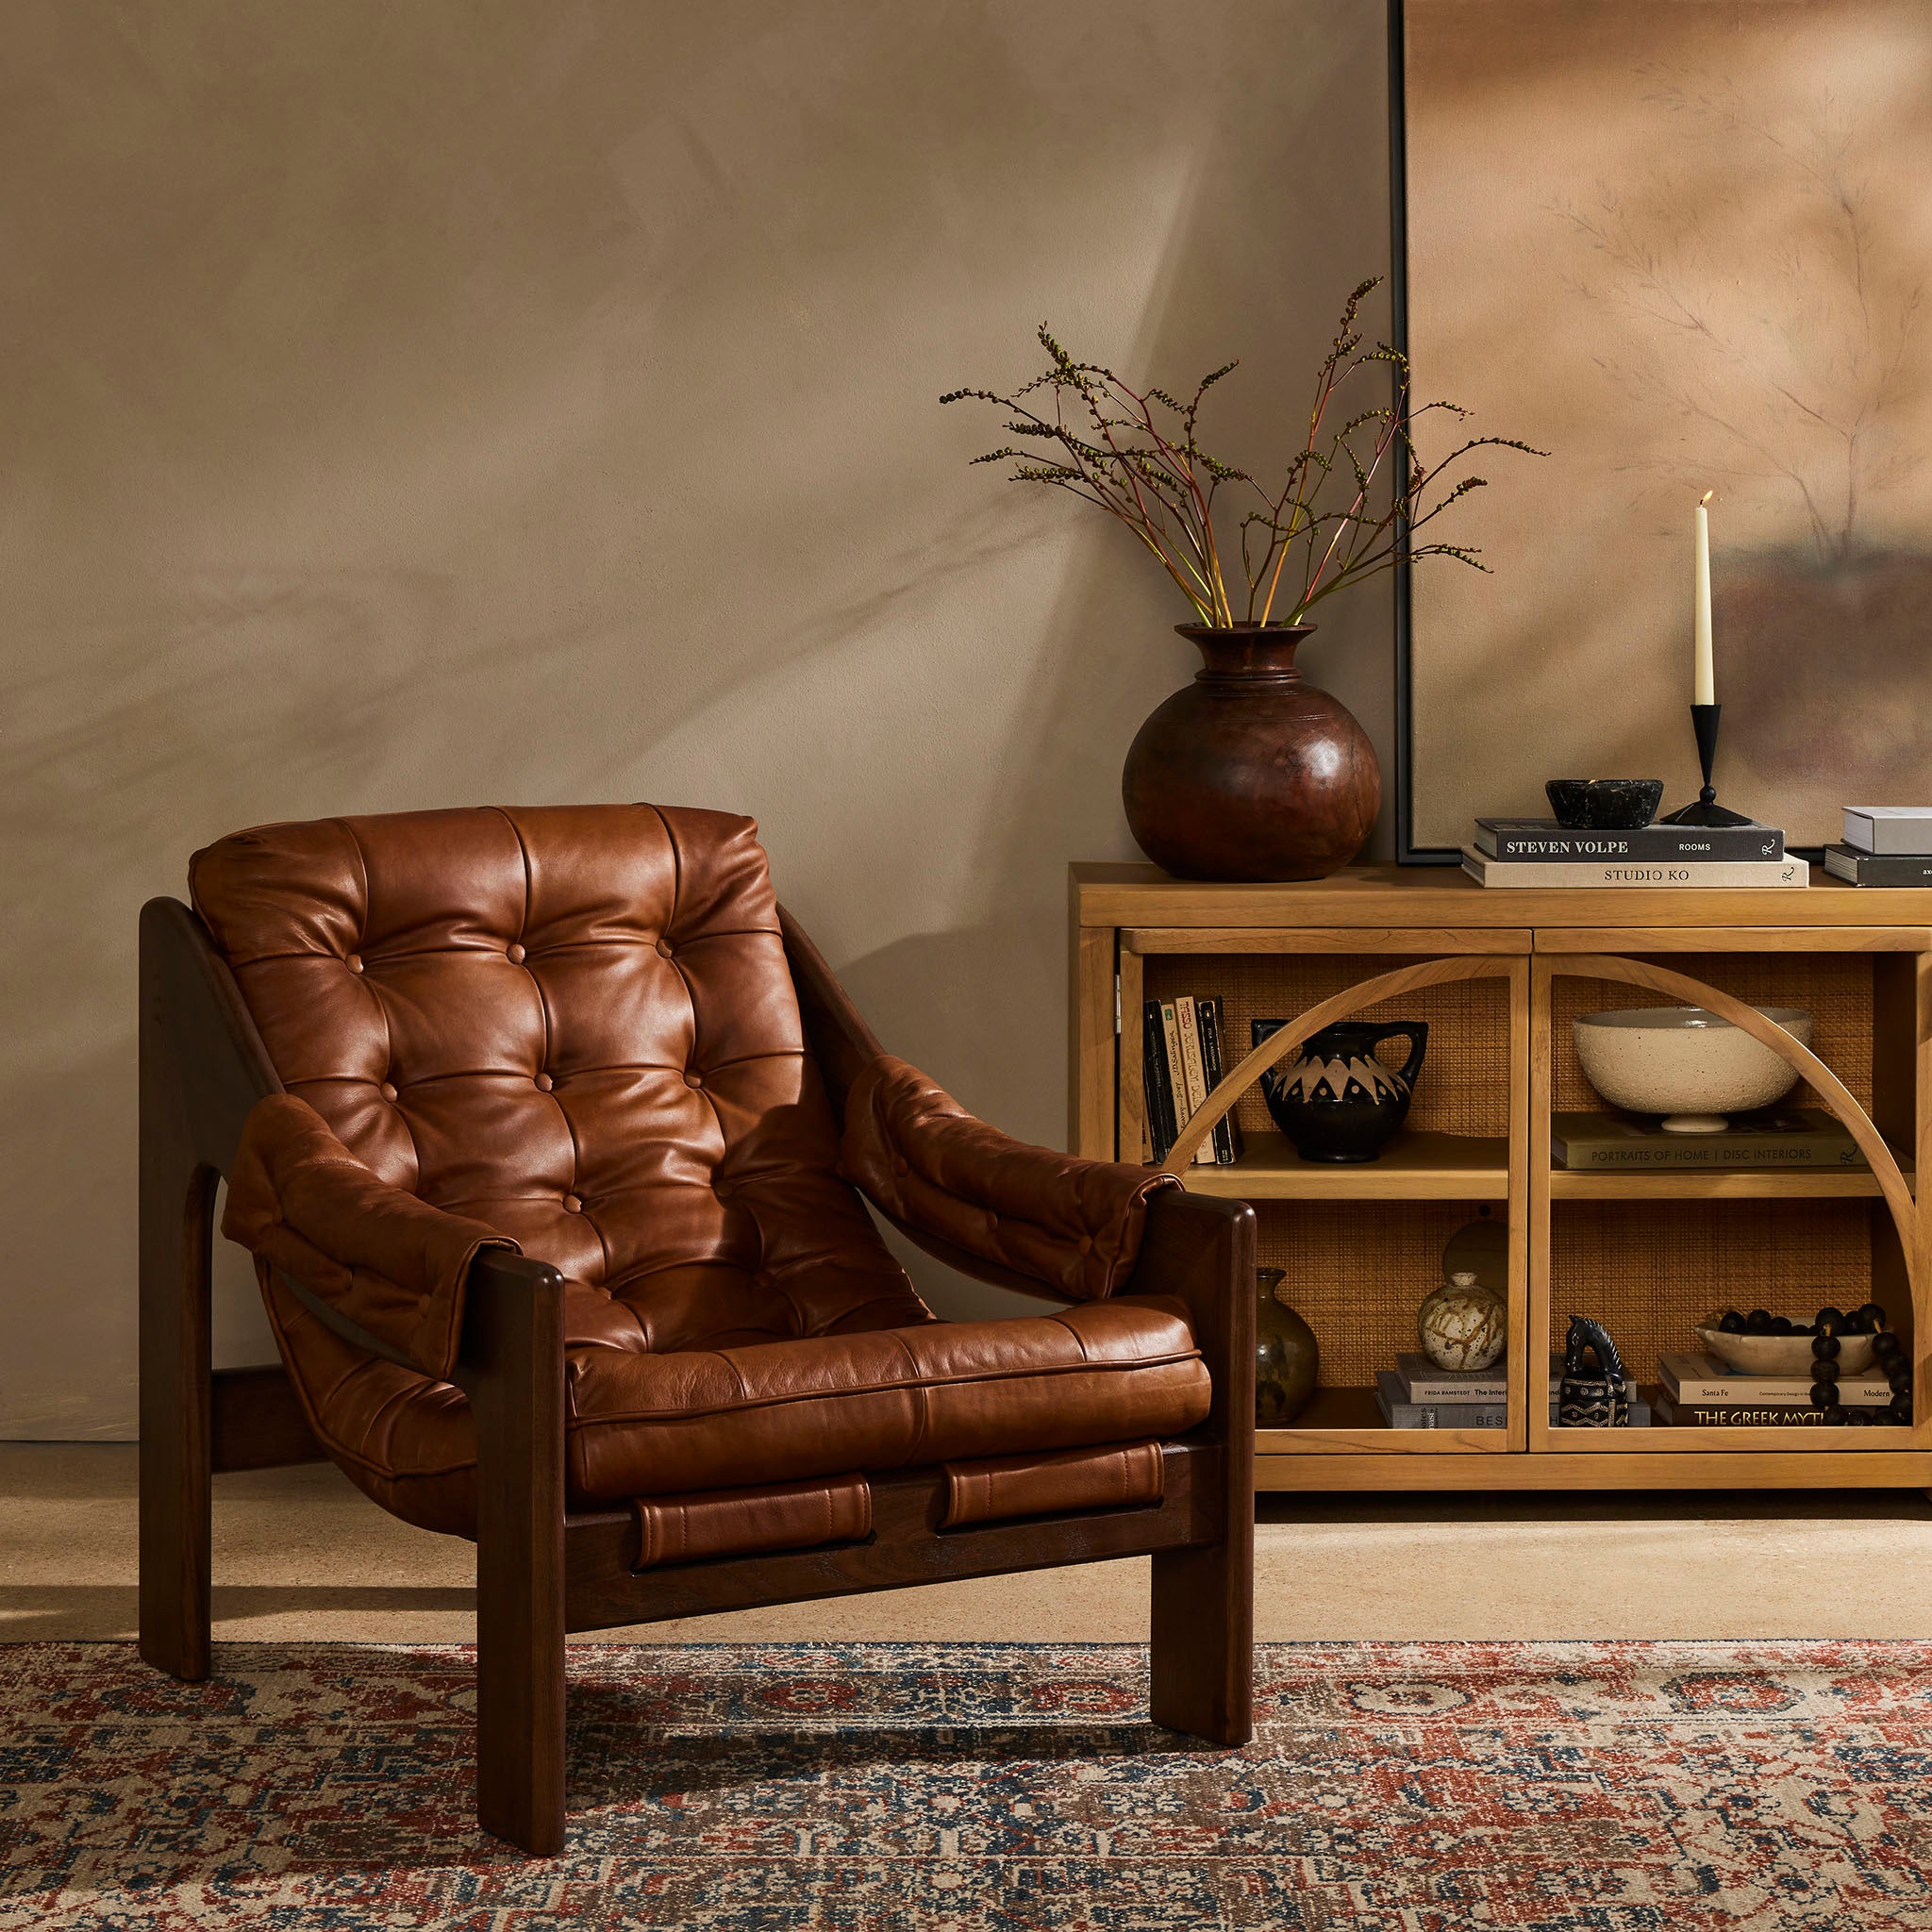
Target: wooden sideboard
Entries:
(1499, 975)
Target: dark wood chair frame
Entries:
(543, 1569)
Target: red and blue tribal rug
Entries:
(1015, 1787)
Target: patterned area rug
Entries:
(924, 1787)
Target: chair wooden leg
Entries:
(1202, 1652)
(516, 1393)
(176, 1226)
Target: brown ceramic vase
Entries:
(1251, 772)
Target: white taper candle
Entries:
(1703, 678)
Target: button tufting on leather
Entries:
(722, 1189)
(899, 1163)
(354, 962)
(441, 896)
(693, 1079)
(1086, 1244)
(516, 956)
(387, 1091)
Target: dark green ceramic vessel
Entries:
(1286, 1357)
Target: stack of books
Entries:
(1180, 1065)
(1416, 1394)
(1539, 852)
(1884, 845)
(1776, 1138)
(1698, 1392)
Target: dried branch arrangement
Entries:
(1350, 506)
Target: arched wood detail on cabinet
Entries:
(1830, 1088)
(1367, 993)
(1641, 972)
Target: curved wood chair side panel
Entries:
(1353, 999)
(1830, 1088)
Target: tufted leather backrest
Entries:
(578, 1025)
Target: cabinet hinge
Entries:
(1116, 1005)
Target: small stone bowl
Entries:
(1604, 805)
(1783, 1354)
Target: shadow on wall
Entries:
(411, 410)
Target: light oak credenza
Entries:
(1498, 976)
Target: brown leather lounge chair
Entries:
(548, 1130)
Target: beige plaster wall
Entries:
(433, 404)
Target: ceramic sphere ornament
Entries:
(1462, 1324)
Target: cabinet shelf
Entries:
(1344, 1419)
(1498, 978)
(1415, 1167)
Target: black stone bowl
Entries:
(1604, 805)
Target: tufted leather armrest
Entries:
(1074, 1226)
(298, 1200)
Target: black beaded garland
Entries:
(1826, 1327)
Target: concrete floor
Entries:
(299, 1554)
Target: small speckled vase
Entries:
(1462, 1324)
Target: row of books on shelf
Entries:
(1182, 1063)
(1693, 1392)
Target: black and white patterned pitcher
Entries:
(1337, 1101)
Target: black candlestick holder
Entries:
(1705, 809)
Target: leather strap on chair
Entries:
(734, 1523)
(1072, 1225)
(1003, 1487)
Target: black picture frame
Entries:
(1407, 851)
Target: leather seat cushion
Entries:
(643, 1424)
(1100, 1371)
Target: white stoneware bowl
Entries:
(1685, 1063)
(1783, 1354)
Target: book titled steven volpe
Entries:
(1765, 875)
(1520, 841)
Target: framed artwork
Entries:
(1683, 245)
